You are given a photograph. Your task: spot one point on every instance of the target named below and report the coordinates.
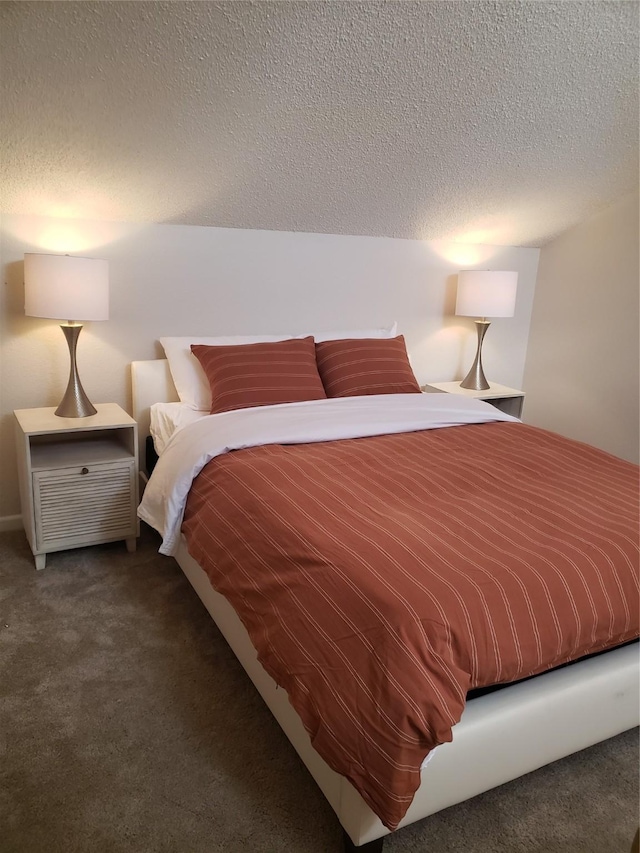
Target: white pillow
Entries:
(190, 379)
(319, 337)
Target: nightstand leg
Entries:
(41, 561)
(131, 544)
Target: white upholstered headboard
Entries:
(151, 383)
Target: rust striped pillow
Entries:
(365, 366)
(260, 374)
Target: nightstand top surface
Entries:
(494, 391)
(108, 416)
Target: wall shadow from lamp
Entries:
(60, 287)
(482, 294)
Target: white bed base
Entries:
(501, 736)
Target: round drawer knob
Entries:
(84, 471)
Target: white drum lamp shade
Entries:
(482, 294)
(486, 293)
(61, 287)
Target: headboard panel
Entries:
(151, 383)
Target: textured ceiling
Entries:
(498, 122)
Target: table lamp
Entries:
(60, 287)
(484, 293)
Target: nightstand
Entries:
(78, 478)
(508, 400)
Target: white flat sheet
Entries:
(167, 418)
(192, 446)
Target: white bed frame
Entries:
(501, 736)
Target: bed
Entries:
(500, 736)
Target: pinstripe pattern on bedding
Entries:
(382, 578)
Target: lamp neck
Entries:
(75, 403)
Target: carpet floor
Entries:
(127, 726)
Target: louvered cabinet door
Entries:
(84, 505)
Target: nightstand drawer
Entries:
(84, 504)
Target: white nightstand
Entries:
(78, 478)
(508, 400)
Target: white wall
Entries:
(581, 372)
(172, 279)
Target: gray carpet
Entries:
(127, 726)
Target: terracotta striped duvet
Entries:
(382, 578)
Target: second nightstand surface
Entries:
(508, 400)
(494, 390)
